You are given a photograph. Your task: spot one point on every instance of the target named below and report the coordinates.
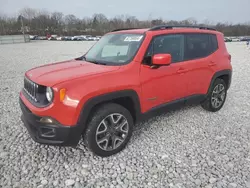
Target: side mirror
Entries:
(162, 59)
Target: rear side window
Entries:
(214, 43)
(199, 45)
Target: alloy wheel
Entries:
(218, 96)
(112, 132)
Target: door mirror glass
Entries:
(162, 59)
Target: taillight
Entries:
(229, 57)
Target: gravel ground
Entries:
(185, 148)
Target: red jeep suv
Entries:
(125, 76)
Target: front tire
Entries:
(216, 97)
(109, 130)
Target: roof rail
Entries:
(160, 27)
(124, 29)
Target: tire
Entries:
(103, 118)
(209, 103)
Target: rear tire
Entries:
(109, 130)
(216, 97)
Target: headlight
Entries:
(49, 94)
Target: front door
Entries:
(166, 83)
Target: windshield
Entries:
(115, 48)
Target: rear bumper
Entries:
(47, 133)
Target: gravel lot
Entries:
(185, 148)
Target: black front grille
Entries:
(31, 88)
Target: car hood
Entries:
(55, 73)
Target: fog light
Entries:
(47, 120)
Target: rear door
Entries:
(200, 58)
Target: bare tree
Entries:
(42, 22)
(28, 13)
(57, 22)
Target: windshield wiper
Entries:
(82, 58)
(96, 62)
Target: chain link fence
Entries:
(11, 39)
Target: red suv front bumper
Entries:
(52, 134)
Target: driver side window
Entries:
(166, 44)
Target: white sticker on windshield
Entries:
(133, 38)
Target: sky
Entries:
(231, 11)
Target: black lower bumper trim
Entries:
(51, 134)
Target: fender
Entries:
(227, 72)
(92, 102)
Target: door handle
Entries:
(211, 64)
(181, 71)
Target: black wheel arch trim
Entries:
(92, 102)
(226, 72)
